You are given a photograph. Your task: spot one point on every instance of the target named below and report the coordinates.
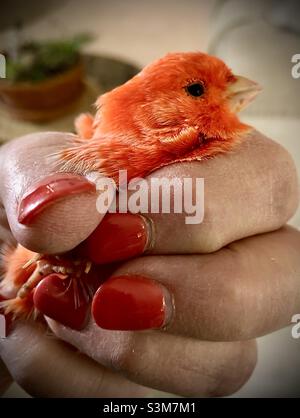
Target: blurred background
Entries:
(256, 39)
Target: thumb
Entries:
(47, 212)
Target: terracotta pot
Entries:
(44, 100)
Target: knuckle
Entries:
(23, 371)
(123, 358)
(210, 237)
(225, 316)
(268, 197)
(230, 363)
(235, 374)
(284, 185)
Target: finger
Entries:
(24, 163)
(250, 191)
(247, 289)
(247, 192)
(38, 362)
(5, 378)
(5, 233)
(170, 363)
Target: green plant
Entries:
(38, 61)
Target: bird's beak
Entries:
(241, 92)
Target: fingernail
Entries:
(50, 190)
(58, 299)
(118, 237)
(131, 303)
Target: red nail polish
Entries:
(118, 237)
(50, 190)
(63, 300)
(129, 303)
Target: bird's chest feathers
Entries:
(142, 151)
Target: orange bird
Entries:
(182, 107)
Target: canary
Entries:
(182, 107)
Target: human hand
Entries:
(222, 301)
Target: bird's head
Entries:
(195, 90)
(189, 90)
(181, 107)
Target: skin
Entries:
(242, 264)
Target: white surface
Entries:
(140, 31)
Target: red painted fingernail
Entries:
(129, 303)
(118, 237)
(58, 299)
(50, 190)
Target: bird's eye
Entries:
(195, 89)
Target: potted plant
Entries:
(43, 79)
